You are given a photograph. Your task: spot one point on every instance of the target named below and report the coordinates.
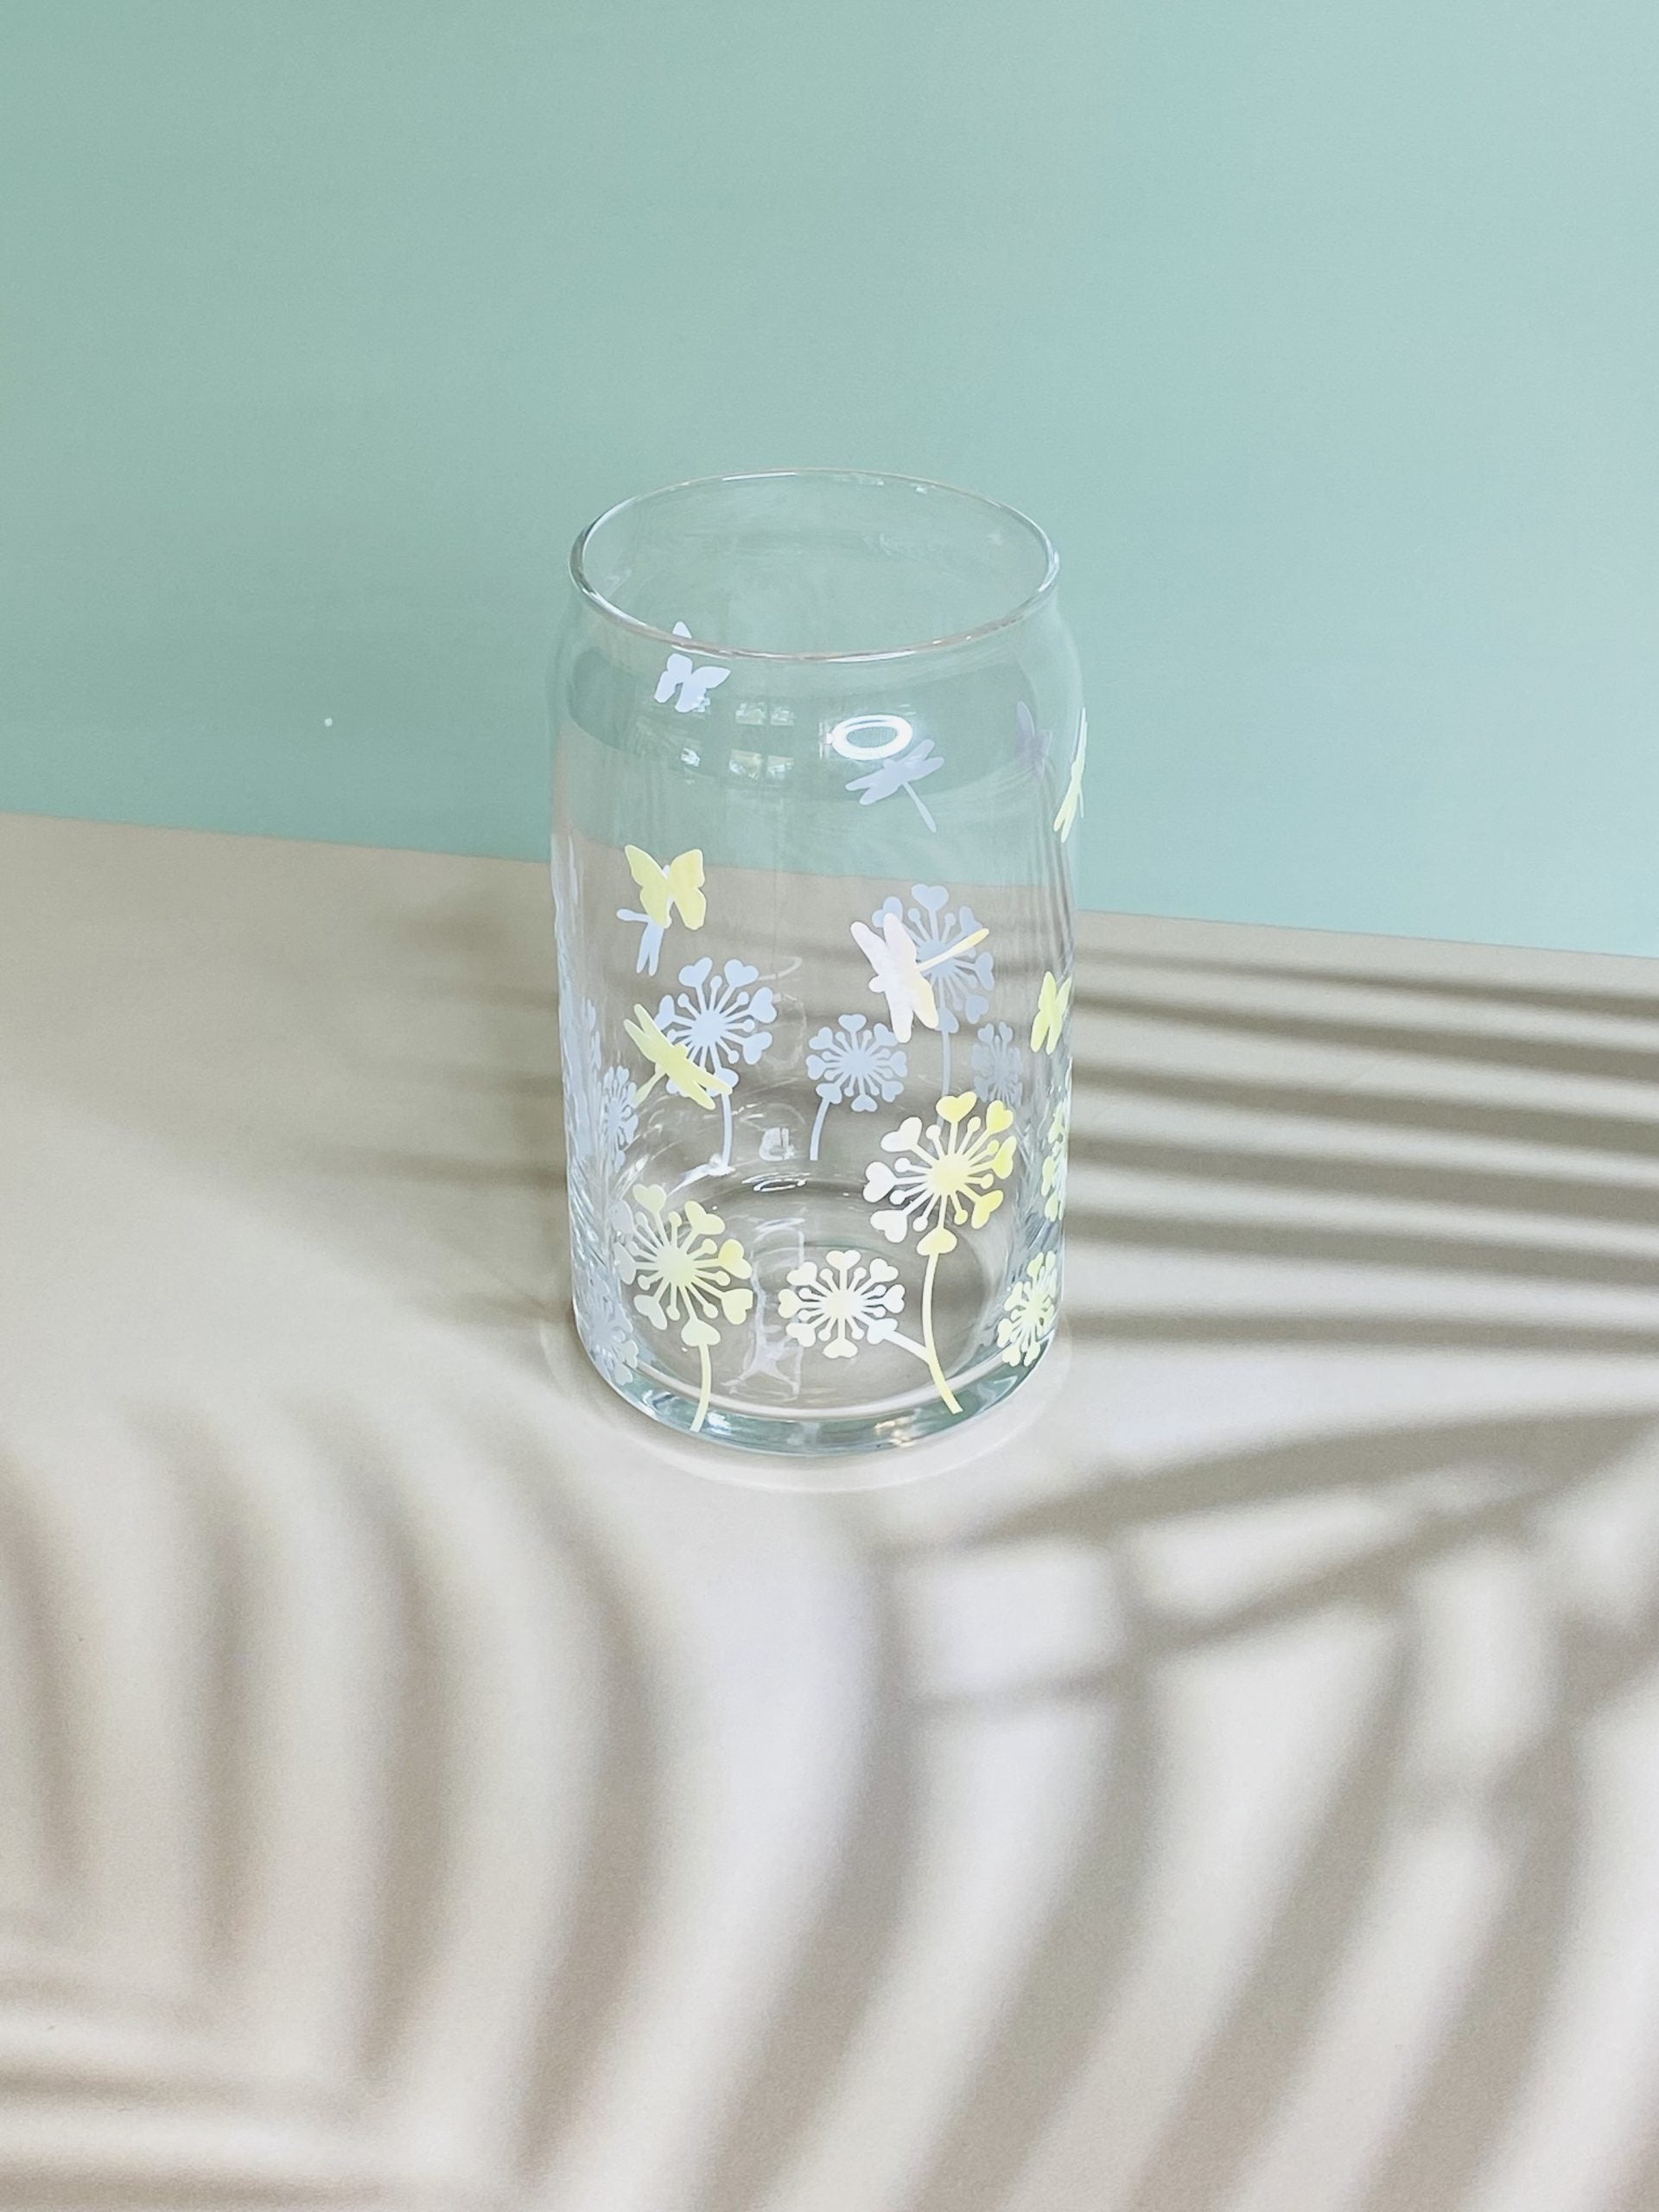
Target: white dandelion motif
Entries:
(1057, 1144)
(999, 1064)
(856, 1061)
(842, 1302)
(581, 1057)
(601, 1118)
(605, 1325)
(1029, 1311)
(721, 1020)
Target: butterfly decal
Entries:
(663, 892)
(682, 675)
(1053, 1004)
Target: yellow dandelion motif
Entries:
(940, 1180)
(689, 1274)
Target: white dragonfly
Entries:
(899, 977)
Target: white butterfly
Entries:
(693, 684)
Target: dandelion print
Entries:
(854, 1061)
(842, 1303)
(1028, 1312)
(999, 1064)
(1054, 1157)
(616, 1119)
(691, 1276)
(602, 1120)
(944, 1177)
(605, 1325)
(720, 1022)
(581, 1056)
(938, 1181)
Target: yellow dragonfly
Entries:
(670, 1058)
(1072, 804)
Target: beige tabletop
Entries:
(1226, 1779)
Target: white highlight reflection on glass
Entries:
(840, 737)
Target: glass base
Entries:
(837, 1353)
(1024, 1429)
(871, 1429)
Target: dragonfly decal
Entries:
(900, 977)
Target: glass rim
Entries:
(678, 641)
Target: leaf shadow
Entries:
(1249, 2062)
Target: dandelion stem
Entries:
(818, 1127)
(934, 1369)
(703, 1396)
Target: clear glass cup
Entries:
(818, 754)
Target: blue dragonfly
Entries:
(901, 771)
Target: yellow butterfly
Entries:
(1053, 1004)
(662, 891)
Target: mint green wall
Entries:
(1322, 333)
